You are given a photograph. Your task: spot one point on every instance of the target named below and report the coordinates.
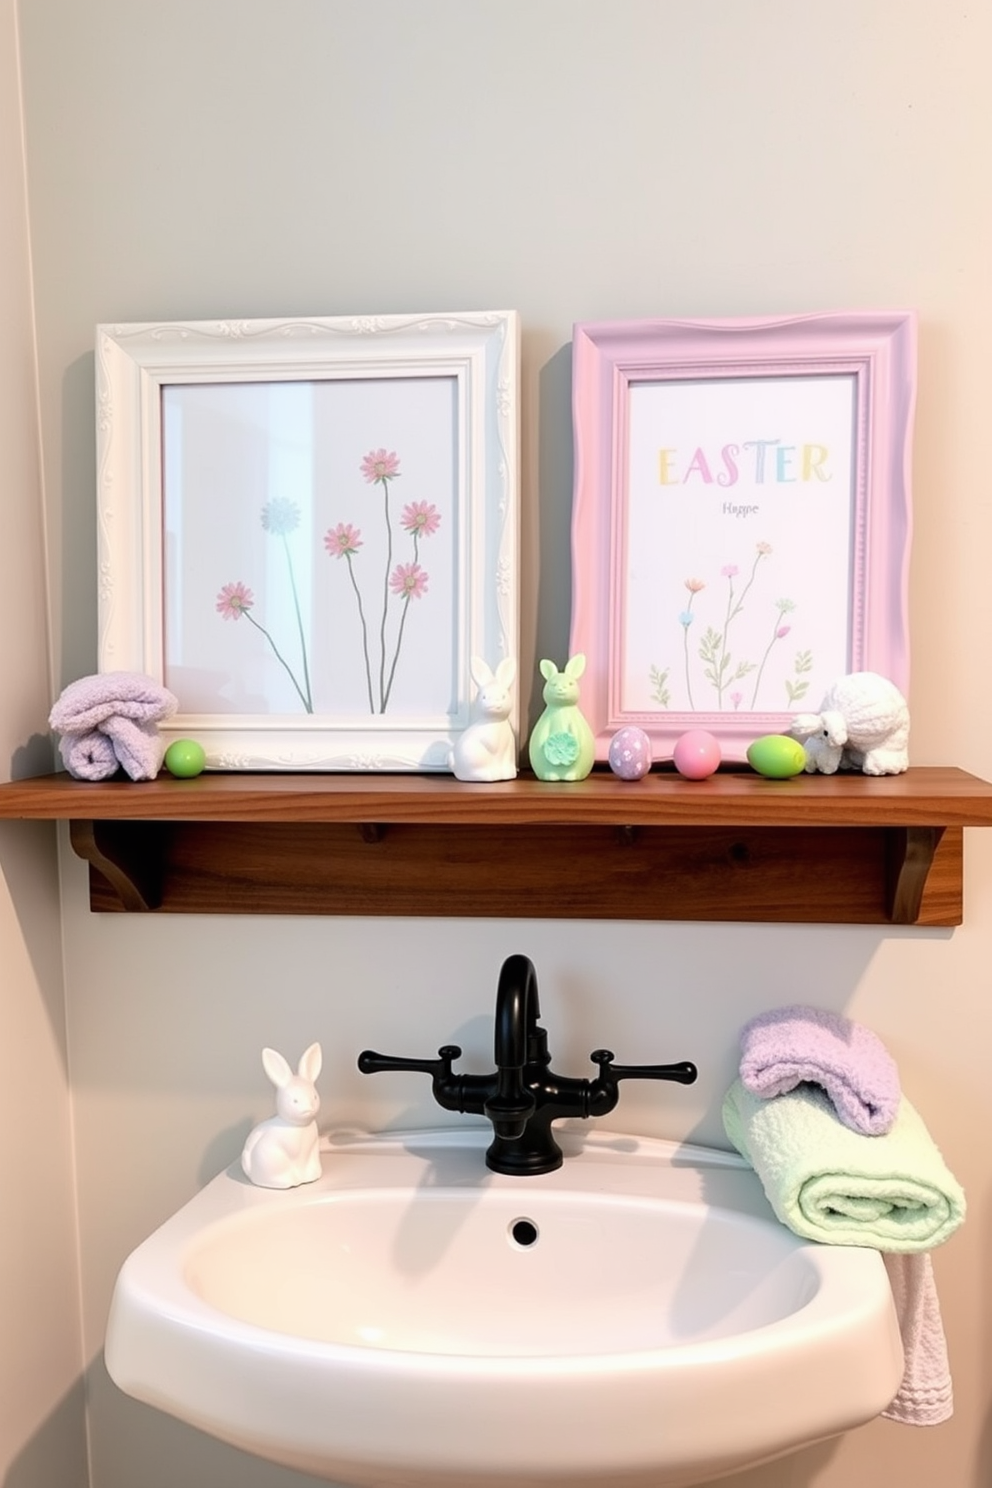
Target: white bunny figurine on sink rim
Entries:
(283, 1151)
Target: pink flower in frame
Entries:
(408, 580)
(380, 465)
(421, 519)
(234, 600)
(343, 540)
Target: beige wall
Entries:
(42, 1437)
(575, 160)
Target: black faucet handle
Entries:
(510, 1106)
(684, 1071)
(371, 1063)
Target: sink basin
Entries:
(413, 1320)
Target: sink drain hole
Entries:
(524, 1232)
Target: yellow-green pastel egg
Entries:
(777, 756)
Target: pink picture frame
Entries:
(742, 518)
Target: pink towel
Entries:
(925, 1397)
(790, 1046)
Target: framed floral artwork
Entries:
(742, 518)
(309, 527)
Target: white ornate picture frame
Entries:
(308, 527)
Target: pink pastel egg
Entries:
(630, 753)
(696, 754)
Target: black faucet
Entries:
(524, 1095)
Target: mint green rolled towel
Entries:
(829, 1183)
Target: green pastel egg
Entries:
(185, 758)
(777, 756)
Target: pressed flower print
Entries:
(280, 518)
(378, 466)
(316, 559)
(402, 582)
(234, 600)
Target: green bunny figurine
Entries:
(562, 746)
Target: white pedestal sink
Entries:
(413, 1320)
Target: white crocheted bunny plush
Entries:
(863, 724)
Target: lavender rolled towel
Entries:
(111, 720)
(139, 747)
(89, 756)
(790, 1046)
(91, 701)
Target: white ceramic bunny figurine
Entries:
(487, 750)
(284, 1151)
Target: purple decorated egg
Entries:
(630, 753)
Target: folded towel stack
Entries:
(845, 1159)
(789, 1046)
(110, 721)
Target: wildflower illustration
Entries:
(797, 688)
(407, 581)
(719, 667)
(659, 690)
(344, 541)
(779, 633)
(280, 518)
(686, 618)
(719, 670)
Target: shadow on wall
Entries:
(223, 1150)
(983, 1463)
(136, 1446)
(547, 568)
(36, 757)
(983, 1452)
(77, 580)
(799, 1470)
(30, 871)
(56, 1453)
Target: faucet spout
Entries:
(517, 1012)
(511, 1104)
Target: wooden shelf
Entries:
(816, 849)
